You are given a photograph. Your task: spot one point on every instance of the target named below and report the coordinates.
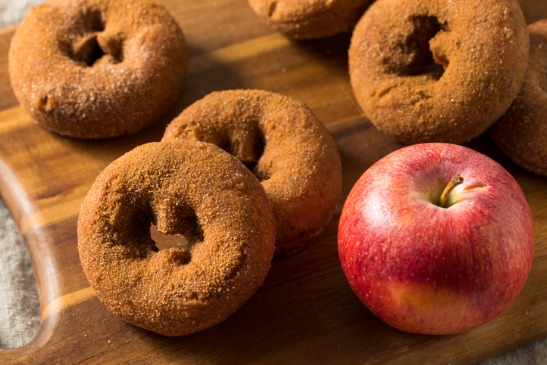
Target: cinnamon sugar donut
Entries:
(522, 131)
(183, 187)
(310, 18)
(97, 68)
(285, 146)
(438, 70)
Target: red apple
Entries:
(436, 239)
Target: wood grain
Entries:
(305, 312)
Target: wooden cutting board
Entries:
(305, 312)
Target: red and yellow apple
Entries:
(436, 238)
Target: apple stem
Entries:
(456, 180)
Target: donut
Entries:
(97, 68)
(182, 187)
(285, 146)
(522, 131)
(306, 19)
(437, 70)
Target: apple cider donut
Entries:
(307, 19)
(438, 70)
(97, 68)
(286, 147)
(183, 187)
(522, 131)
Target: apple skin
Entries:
(425, 269)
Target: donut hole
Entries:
(413, 55)
(174, 242)
(92, 48)
(92, 43)
(258, 150)
(88, 51)
(248, 149)
(179, 240)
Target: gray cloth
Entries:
(19, 305)
(12, 11)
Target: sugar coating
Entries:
(182, 187)
(97, 68)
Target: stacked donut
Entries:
(234, 171)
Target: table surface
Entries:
(19, 312)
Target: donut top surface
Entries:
(182, 187)
(438, 70)
(97, 68)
